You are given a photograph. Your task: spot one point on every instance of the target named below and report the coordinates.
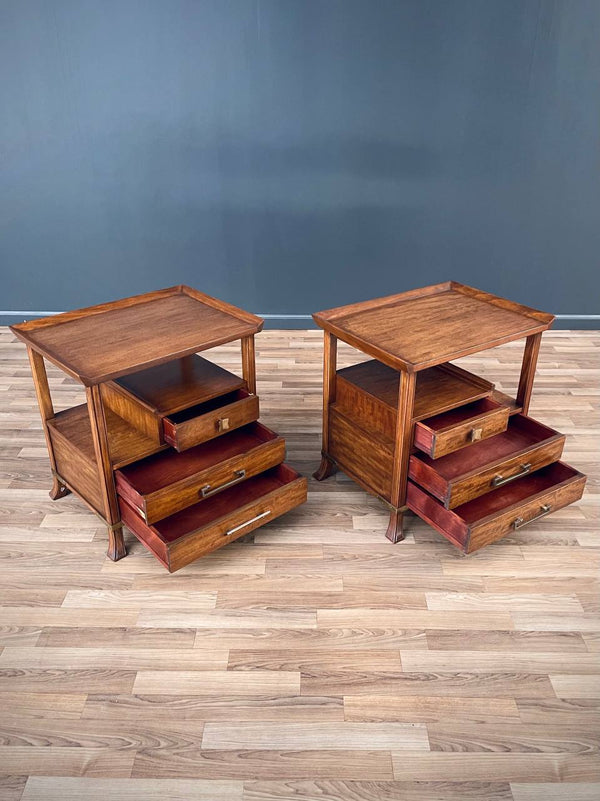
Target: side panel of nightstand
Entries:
(79, 474)
(378, 458)
(361, 453)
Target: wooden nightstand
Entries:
(168, 442)
(423, 434)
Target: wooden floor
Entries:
(315, 660)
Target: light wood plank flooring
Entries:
(314, 660)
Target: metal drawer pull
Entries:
(499, 481)
(520, 523)
(206, 491)
(475, 434)
(223, 424)
(247, 523)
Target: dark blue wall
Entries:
(291, 155)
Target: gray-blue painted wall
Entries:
(292, 155)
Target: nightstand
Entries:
(425, 435)
(168, 442)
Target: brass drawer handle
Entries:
(223, 424)
(207, 490)
(475, 434)
(247, 523)
(499, 481)
(520, 523)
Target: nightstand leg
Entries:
(394, 531)
(403, 442)
(42, 391)
(327, 467)
(116, 544)
(59, 490)
(530, 357)
(249, 363)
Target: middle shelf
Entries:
(126, 443)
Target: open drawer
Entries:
(510, 507)
(444, 433)
(523, 448)
(207, 420)
(145, 398)
(183, 537)
(168, 482)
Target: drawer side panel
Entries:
(144, 533)
(132, 410)
(443, 520)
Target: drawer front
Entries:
(239, 523)
(555, 498)
(509, 508)
(437, 439)
(494, 473)
(363, 454)
(510, 470)
(222, 530)
(153, 506)
(186, 434)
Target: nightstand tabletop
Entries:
(103, 342)
(425, 327)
